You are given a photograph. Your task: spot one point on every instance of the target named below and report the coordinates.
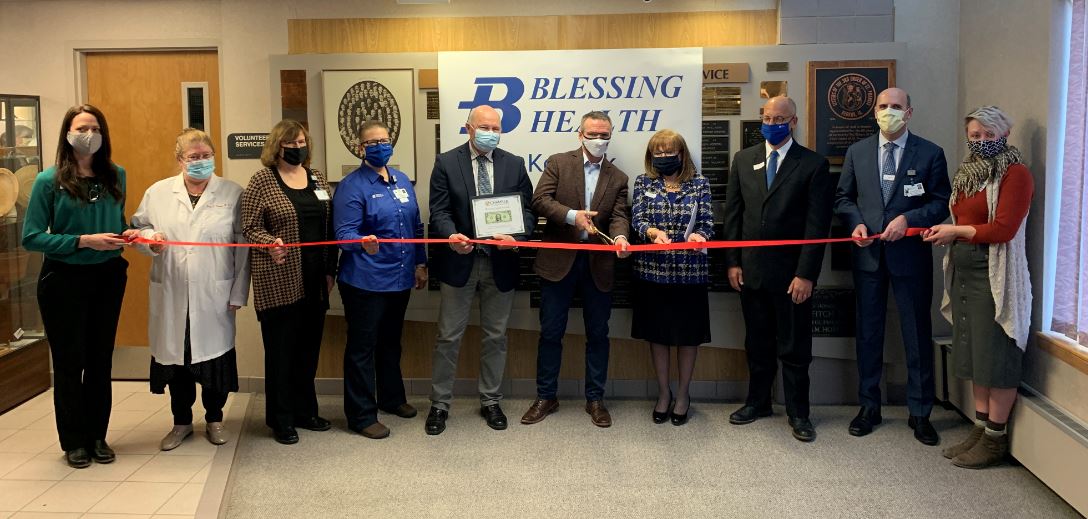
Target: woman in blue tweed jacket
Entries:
(671, 203)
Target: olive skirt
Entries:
(981, 350)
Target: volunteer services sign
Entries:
(542, 96)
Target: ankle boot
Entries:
(989, 451)
(965, 445)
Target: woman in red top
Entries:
(987, 293)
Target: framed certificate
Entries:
(497, 214)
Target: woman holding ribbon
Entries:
(987, 292)
(289, 203)
(670, 306)
(74, 217)
(376, 201)
(194, 291)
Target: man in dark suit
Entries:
(892, 181)
(778, 190)
(473, 169)
(580, 192)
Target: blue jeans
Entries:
(555, 300)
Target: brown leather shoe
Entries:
(539, 411)
(375, 431)
(598, 413)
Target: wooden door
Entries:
(140, 94)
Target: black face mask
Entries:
(667, 165)
(295, 156)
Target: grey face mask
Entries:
(85, 143)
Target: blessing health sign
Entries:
(542, 96)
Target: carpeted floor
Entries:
(566, 467)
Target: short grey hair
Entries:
(472, 112)
(991, 118)
(596, 115)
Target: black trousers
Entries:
(183, 396)
(372, 377)
(80, 305)
(776, 330)
(292, 343)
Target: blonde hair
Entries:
(190, 137)
(992, 118)
(285, 130)
(669, 140)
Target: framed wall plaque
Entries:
(842, 101)
(351, 97)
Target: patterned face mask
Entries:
(987, 149)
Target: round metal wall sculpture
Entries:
(364, 101)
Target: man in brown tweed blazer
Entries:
(583, 195)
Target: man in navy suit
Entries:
(476, 168)
(890, 182)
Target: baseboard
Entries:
(1052, 444)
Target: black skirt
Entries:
(670, 314)
(218, 374)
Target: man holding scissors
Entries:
(581, 193)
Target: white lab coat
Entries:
(206, 280)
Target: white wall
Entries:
(39, 37)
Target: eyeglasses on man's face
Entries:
(375, 142)
(779, 119)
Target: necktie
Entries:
(887, 171)
(481, 176)
(772, 167)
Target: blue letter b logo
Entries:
(511, 116)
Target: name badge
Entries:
(913, 190)
(377, 195)
(889, 178)
(911, 173)
(401, 194)
(321, 194)
(758, 166)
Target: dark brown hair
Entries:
(283, 131)
(104, 169)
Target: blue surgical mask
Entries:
(378, 154)
(200, 169)
(486, 140)
(775, 133)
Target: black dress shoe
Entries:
(863, 423)
(923, 430)
(660, 418)
(803, 429)
(748, 414)
(285, 435)
(313, 423)
(680, 419)
(102, 453)
(494, 417)
(436, 421)
(78, 458)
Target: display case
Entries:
(24, 354)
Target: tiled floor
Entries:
(143, 482)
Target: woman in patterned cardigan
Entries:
(287, 202)
(671, 203)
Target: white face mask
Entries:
(596, 147)
(85, 143)
(890, 120)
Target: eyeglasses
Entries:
(194, 158)
(666, 153)
(591, 135)
(375, 142)
(299, 143)
(781, 119)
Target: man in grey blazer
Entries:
(475, 168)
(892, 181)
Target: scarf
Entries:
(974, 172)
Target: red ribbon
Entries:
(913, 231)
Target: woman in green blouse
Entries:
(76, 217)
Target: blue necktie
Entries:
(481, 176)
(887, 170)
(772, 167)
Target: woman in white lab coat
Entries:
(195, 290)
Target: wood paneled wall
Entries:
(603, 31)
(629, 359)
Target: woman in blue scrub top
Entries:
(376, 201)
